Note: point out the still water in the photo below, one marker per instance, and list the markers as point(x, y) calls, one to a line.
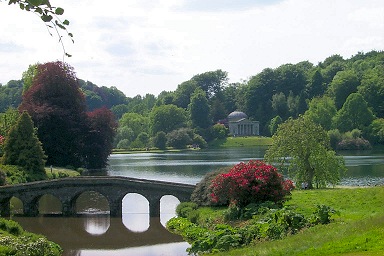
point(95, 233)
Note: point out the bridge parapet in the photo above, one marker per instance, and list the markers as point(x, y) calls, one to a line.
point(67, 190)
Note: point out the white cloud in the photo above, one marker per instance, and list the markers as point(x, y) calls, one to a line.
point(149, 46)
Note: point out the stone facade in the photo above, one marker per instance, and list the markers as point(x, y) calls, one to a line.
point(240, 125)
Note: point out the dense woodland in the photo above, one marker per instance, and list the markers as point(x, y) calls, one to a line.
point(344, 96)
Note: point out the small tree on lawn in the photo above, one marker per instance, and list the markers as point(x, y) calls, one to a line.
point(23, 148)
point(305, 146)
point(252, 182)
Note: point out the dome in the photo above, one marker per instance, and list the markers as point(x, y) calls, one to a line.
point(236, 115)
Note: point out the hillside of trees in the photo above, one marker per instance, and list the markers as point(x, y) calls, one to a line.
point(344, 96)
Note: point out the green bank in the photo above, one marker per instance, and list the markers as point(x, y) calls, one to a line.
point(358, 229)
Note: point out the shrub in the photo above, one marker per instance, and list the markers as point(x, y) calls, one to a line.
point(14, 174)
point(252, 182)
point(179, 138)
point(202, 193)
point(323, 214)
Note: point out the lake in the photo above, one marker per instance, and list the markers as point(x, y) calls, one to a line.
point(95, 233)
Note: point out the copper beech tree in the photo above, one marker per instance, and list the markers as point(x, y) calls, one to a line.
point(70, 135)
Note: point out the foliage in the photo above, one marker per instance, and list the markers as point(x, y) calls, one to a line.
point(306, 146)
point(266, 224)
point(167, 118)
point(201, 195)
point(7, 120)
point(252, 182)
point(23, 148)
point(100, 137)
point(199, 109)
point(179, 138)
point(321, 111)
point(354, 114)
point(211, 82)
point(10, 94)
point(160, 140)
point(199, 141)
point(57, 108)
point(70, 135)
point(48, 14)
point(219, 131)
point(334, 137)
point(14, 174)
point(15, 241)
point(274, 124)
point(376, 131)
point(343, 84)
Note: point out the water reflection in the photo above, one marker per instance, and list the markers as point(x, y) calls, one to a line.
point(97, 224)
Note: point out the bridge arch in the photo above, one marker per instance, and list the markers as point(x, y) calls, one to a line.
point(50, 202)
point(99, 204)
point(135, 215)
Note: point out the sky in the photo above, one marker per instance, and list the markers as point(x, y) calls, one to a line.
point(152, 46)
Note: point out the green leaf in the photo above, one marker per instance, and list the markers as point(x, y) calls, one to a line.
point(46, 18)
point(35, 2)
point(21, 6)
point(66, 22)
point(59, 11)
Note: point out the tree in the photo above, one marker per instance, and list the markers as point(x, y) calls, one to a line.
point(57, 107)
point(167, 118)
point(99, 143)
point(343, 84)
point(23, 148)
point(199, 109)
point(211, 82)
point(7, 120)
point(274, 124)
point(180, 138)
point(354, 114)
point(137, 122)
point(372, 89)
point(306, 146)
point(321, 111)
point(48, 14)
point(182, 95)
point(160, 140)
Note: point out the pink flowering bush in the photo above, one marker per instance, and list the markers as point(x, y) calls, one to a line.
point(252, 182)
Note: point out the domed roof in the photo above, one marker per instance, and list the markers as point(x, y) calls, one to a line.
point(236, 115)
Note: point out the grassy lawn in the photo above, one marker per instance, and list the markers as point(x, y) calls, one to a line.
point(231, 142)
point(61, 172)
point(358, 230)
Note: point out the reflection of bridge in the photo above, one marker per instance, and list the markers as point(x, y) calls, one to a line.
point(71, 234)
point(114, 189)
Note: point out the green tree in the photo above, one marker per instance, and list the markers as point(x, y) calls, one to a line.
point(306, 145)
point(354, 114)
point(372, 89)
point(199, 109)
point(321, 111)
point(211, 82)
point(167, 118)
point(23, 148)
point(279, 105)
point(180, 138)
point(275, 122)
point(160, 140)
point(343, 84)
point(137, 122)
point(182, 95)
point(7, 120)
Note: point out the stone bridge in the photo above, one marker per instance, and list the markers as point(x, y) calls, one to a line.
point(114, 189)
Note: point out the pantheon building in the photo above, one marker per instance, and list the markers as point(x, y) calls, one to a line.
point(240, 125)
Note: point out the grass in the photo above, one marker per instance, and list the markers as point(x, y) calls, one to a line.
point(61, 172)
point(231, 142)
point(359, 230)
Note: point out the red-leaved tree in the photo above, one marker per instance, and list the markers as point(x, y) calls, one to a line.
point(252, 182)
point(70, 135)
point(100, 138)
